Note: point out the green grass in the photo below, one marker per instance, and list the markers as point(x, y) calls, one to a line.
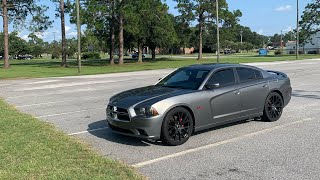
point(51, 68)
point(30, 149)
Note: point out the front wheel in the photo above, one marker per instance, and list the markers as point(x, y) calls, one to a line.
point(273, 107)
point(177, 127)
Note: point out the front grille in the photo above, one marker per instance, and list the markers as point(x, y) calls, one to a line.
point(118, 113)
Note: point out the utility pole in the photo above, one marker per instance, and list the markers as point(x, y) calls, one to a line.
point(79, 36)
point(218, 35)
point(297, 37)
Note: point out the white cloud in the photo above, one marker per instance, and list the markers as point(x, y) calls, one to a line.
point(68, 28)
point(283, 8)
point(39, 34)
point(288, 29)
point(25, 37)
point(73, 33)
point(260, 31)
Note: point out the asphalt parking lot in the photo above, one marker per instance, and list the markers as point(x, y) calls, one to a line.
point(286, 149)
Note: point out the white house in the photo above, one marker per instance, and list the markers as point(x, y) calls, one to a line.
point(311, 46)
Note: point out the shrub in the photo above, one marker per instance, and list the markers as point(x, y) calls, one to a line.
point(278, 52)
point(91, 55)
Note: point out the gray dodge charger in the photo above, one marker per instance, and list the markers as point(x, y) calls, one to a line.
point(198, 97)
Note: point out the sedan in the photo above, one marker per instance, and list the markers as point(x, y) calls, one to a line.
point(196, 98)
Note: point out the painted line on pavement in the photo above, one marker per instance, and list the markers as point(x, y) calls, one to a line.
point(70, 100)
point(59, 114)
point(88, 131)
point(41, 82)
point(145, 163)
point(72, 84)
point(54, 93)
point(38, 104)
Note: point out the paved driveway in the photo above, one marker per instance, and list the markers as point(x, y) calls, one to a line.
point(286, 149)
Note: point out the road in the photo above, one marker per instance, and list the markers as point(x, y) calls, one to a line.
point(286, 149)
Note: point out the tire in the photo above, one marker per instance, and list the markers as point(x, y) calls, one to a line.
point(273, 107)
point(177, 127)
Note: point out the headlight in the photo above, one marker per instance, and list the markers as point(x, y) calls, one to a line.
point(146, 111)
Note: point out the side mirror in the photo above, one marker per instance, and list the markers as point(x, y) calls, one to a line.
point(212, 86)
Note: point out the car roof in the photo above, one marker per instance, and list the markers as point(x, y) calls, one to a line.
point(214, 66)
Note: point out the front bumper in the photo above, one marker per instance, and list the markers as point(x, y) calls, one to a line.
point(145, 128)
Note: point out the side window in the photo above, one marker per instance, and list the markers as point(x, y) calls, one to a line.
point(201, 74)
point(224, 77)
point(258, 75)
point(247, 74)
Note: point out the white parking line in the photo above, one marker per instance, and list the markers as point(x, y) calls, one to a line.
point(47, 103)
point(145, 163)
point(64, 85)
point(42, 82)
point(54, 93)
point(72, 112)
point(91, 130)
point(70, 100)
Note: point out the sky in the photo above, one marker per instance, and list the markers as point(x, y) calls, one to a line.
point(265, 17)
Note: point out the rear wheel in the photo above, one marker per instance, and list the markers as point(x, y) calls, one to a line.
point(177, 126)
point(273, 107)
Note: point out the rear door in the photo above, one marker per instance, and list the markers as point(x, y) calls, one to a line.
point(224, 99)
point(253, 90)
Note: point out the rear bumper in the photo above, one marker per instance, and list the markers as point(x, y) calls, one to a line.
point(144, 128)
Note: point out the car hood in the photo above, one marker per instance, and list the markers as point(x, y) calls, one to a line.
point(134, 97)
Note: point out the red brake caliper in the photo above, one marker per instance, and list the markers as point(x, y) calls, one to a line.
point(181, 122)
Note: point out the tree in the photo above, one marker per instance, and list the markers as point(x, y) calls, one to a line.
point(16, 45)
point(121, 28)
point(63, 35)
point(101, 18)
point(160, 32)
point(36, 45)
point(185, 33)
point(18, 11)
point(310, 21)
point(90, 42)
point(149, 24)
point(247, 46)
point(61, 13)
point(72, 47)
point(204, 12)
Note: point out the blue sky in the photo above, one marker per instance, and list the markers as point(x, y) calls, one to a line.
point(263, 16)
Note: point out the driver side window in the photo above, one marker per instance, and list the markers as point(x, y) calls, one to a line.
point(223, 77)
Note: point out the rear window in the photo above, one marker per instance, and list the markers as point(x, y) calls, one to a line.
point(247, 74)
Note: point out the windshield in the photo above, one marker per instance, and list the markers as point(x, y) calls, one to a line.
point(184, 78)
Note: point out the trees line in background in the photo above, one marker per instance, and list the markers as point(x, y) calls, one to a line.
point(115, 25)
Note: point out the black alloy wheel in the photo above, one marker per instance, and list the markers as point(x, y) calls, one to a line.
point(273, 107)
point(177, 126)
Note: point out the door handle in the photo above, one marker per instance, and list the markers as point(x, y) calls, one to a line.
point(266, 85)
point(237, 92)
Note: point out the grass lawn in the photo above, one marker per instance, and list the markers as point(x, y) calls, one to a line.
point(51, 68)
point(31, 149)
